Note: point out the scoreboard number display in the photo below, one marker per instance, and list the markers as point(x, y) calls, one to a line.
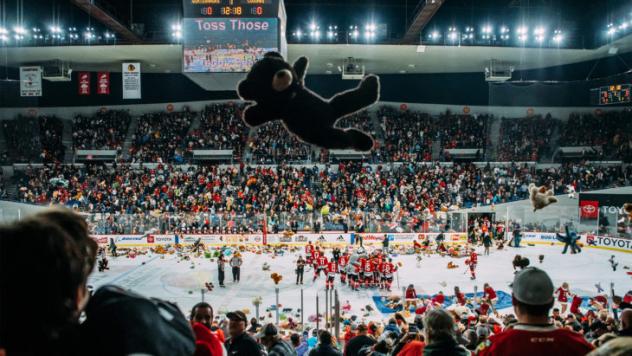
point(231, 8)
point(611, 94)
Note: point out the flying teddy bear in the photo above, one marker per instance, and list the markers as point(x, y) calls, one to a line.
point(279, 91)
point(540, 197)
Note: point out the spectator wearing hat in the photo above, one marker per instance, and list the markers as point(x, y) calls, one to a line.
point(532, 299)
point(325, 345)
point(240, 343)
point(299, 343)
point(362, 339)
point(269, 337)
point(440, 335)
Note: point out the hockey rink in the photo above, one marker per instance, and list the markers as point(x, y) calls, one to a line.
point(170, 278)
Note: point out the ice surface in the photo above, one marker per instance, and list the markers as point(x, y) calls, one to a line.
point(169, 278)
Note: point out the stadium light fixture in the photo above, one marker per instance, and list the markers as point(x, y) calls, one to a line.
point(19, 30)
point(313, 26)
point(452, 36)
point(539, 31)
point(522, 30)
point(623, 26)
point(355, 34)
point(4, 31)
point(434, 35)
point(504, 29)
point(487, 29)
point(558, 38)
point(522, 38)
point(4, 38)
point(298, 34)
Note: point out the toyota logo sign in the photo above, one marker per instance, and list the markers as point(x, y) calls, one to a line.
point(588, 209)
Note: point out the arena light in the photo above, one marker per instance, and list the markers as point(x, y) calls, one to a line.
point(298, 34)
point(623, 26)
point(558, 38)
point(487, 29)
point(55, 29)
point(539, 31)
point(522, 30)
point(434, 35)
point(4, 38)
point(522, 37)
point(19, 30)
point(313, 26)
point(4, 31)
point(355, 34)
point(452, 36)
point(504, 29)
point(176, 27)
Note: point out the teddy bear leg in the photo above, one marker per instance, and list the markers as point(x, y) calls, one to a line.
point(350, 101)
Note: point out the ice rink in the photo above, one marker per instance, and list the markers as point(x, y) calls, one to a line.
point(167, 277)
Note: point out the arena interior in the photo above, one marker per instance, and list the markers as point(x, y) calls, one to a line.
point(315, 177)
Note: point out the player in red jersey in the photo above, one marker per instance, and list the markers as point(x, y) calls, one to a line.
point(386, 271)
point(532, 299)
point(354, 276)
point(368, 274)
point(376, 262)
point(309, 252)
point(472, 261)
point(320, 265)
point(332, 269)
point(490, 294)
point(343, 261)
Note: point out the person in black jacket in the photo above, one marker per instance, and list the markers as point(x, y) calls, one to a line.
point(300, 269)
point(240, 343)
point(325, 346)
point(359, 341)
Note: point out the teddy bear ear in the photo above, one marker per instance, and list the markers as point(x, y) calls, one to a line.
point(273, 54)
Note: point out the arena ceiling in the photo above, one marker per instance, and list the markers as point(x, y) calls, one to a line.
point(325, 59)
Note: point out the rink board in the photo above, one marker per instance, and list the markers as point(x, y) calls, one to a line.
point(334, 238)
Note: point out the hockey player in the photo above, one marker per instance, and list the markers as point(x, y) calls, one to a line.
point(376, 261)
point(368, 274)
point(332, 269)
point(354, 275)
point(472, 261)
point(309, 252)
point(387, 269)
point(320, 264)
point(343, 261)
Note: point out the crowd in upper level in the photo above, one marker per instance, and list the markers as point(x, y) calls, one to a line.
point(400, 136)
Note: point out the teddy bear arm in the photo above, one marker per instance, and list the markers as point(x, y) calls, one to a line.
point(255, 116)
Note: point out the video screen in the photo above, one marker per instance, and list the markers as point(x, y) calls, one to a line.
point(221, 45)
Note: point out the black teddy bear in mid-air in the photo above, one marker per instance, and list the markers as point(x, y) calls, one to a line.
point(280, 94)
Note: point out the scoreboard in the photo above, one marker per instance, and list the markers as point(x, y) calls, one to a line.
point(229, 36)
point(231, 8)
point(611, 94)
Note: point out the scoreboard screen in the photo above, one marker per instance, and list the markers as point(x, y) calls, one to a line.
point(231, 8)
point(613, 94)
point(220, 45)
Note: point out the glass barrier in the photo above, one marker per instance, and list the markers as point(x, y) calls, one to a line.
point(609, 223)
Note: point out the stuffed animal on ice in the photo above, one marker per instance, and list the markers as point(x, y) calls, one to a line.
point(280, 94)
point(541, 197)
point(569, 239)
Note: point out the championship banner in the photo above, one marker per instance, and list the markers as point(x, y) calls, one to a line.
point(103, 83)
point(131, 80)
point(84, 83)
point(30, 81)
point(588, 209)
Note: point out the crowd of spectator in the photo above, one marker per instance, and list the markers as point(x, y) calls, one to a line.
point(408, 135)
point(609, 130)
point(526, 139)
point(160, 137)
point(463, 131)
point(105, 130)
point(119, 322)
point(34, 139)
point(272, 143)
point(400, 135)
point(221, 128)
point(406, 194)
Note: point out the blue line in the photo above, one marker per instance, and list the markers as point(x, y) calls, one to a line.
point(131, 270)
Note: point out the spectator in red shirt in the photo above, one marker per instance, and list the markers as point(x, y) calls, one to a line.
point(532, 299)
